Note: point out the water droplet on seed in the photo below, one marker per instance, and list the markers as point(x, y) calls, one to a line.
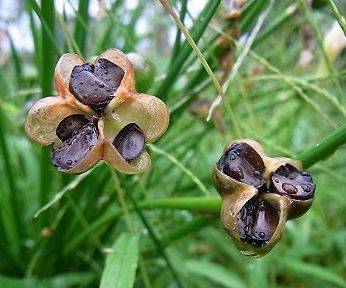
point(306, 188)
point(262, 235)
point(289, 188)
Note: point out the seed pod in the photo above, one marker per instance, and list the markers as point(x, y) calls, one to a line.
point(297, 185)
point(259, 194)
point(94, 85)
point(71, 152)
point(130, 141)
point(240, 165)
point(255, 223)
point(69, 125)
point(97, 114)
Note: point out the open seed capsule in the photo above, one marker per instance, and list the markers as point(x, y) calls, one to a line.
point(259, 194)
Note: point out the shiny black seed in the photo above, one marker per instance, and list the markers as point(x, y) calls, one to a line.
point(288, 180)
point(244, 164)
point(85, 77)
point(130, 141)
point(257, 221)
point(69, 124)
point(69, 153)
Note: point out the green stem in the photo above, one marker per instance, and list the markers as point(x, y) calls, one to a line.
point(46, 77)
point(196, 204)
point(325, 148)
point(184, 230)
point(196, 33)
point(338, 16)
point(81, 25)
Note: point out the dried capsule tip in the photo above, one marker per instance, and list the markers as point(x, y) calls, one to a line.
point(257, 221)
point(244, 164)
point(288, 180)
point(94, 85)
point(130, 141)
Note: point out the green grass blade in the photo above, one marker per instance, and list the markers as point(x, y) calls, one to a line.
point(325, 148)
point(121, 263)
point(177, 42)
point(215, 273)
point(81, 25)
point(61, 193)
point(311, 270)
point(196, 33)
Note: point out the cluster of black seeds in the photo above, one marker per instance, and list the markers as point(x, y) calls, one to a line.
point(94, 85)
point(257, 220)
point(79, 136)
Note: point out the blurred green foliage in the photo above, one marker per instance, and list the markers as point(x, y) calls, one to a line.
point(286, 106)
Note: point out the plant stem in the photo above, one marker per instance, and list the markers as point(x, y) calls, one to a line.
point(196, 31)
point(338, 16)
point(325, 148)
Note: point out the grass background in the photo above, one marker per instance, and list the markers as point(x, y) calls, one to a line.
point(170, 214)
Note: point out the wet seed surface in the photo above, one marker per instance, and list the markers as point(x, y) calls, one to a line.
point(244, 164)
point(94, 85)
point(71, 123)
point(257, 221)
point(287, 180)
point(130, 141)
point(69, 153)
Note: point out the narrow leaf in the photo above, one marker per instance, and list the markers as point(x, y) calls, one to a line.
point(121, 264)
point(216, 273)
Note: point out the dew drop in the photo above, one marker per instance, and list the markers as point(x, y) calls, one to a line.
point(233, 157)
point(289, 188)
point(277, 180)
point(257, 174)
point(306, 188)
point(262, 235)
point(261, 206)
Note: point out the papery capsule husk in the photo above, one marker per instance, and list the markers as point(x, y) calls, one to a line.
point(226, 185)
point(232, 205)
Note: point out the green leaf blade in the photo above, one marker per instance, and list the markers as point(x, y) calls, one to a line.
point(121, 264)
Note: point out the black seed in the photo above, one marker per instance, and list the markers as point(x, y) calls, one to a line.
point(244, 164)
point(69, 124)
point(84, 77)
point(287, 180)
point(70, 152)
point(259, 224)
point(130, 141)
